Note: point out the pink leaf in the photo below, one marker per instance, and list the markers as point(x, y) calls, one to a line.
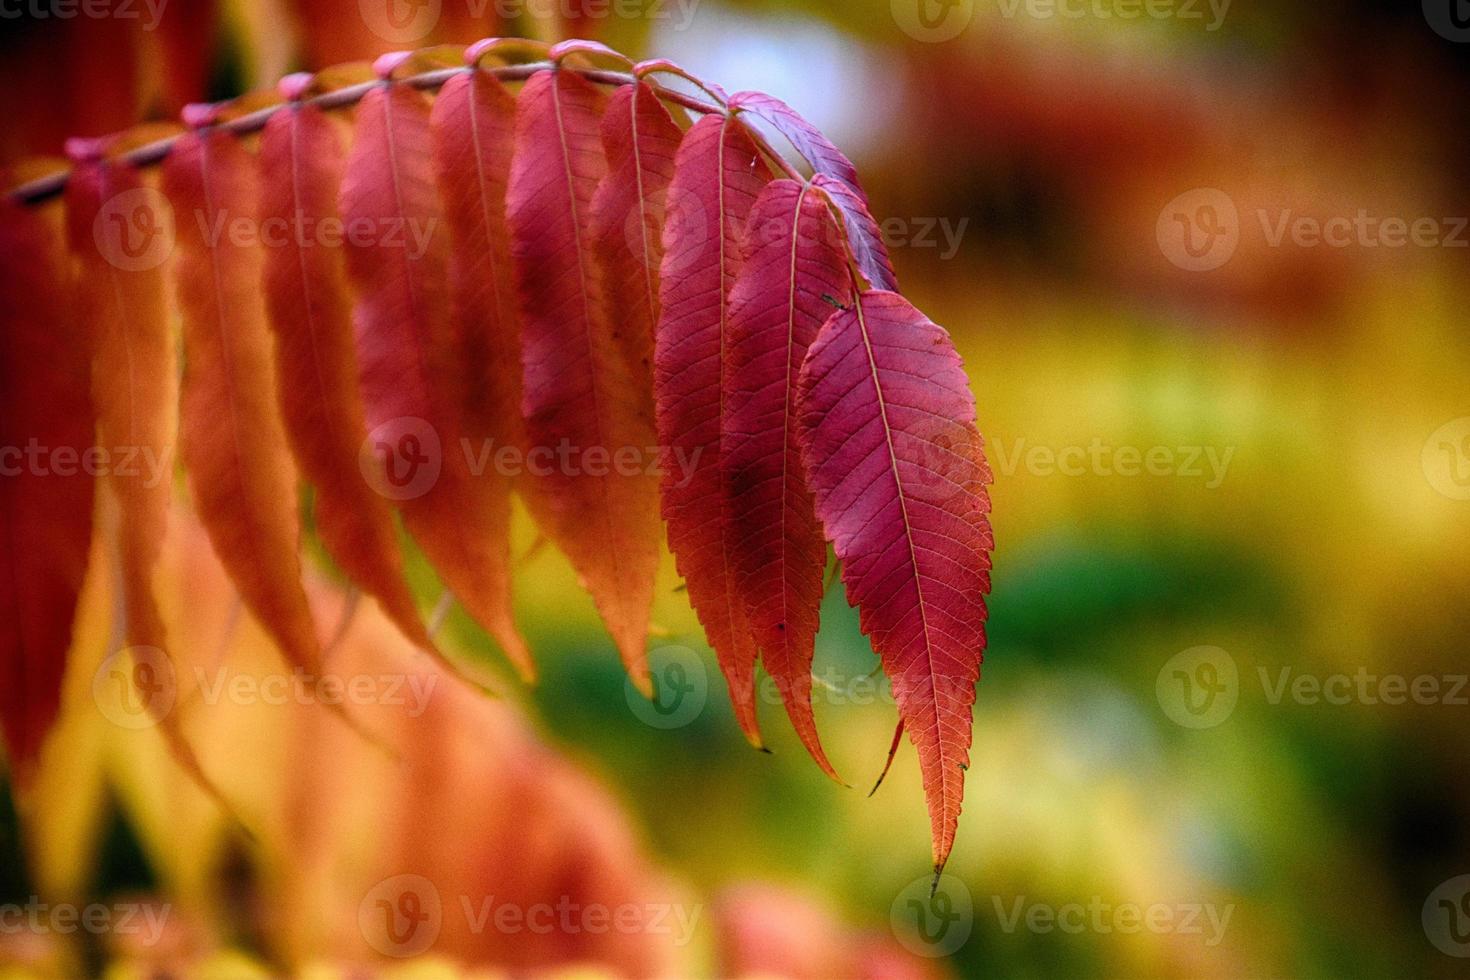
point(899, 474)
point(793, 274)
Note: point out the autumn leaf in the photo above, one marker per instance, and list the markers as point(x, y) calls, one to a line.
point(792, 274)
point(231, 435)
point(411, 381)
point(897, 468)
point(549, 286)
point(301, 161)
point(578, 385)
point(717, 175)
point(45, 501)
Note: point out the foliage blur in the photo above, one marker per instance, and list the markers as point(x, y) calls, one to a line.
point(1300, 517)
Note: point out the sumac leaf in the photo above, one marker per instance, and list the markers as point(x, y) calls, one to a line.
point(411, 380)
point(231, 437)
point(579, 391)
point(134, 366)
point(717, 174)
point(817, 149)
point(118, 241)
point(45, 500)
point(793, 274)
point(863, 235)
point(301, 160)
point(627, 219)
point(888, 434)
point(473, 122)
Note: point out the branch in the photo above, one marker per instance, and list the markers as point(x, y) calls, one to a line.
point(45, 188)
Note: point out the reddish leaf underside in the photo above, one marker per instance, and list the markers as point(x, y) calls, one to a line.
point(45, 516)
point(473, 121)
point(579, 392)
point(793, 273)
point(413, 386)
point(863, 235)
point(897, 468)
point(232, 440)
point(301, 160)
point(718, 174)
point(640, 139)
point(820, 152)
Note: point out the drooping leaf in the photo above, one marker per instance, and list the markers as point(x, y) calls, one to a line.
point(792, 275)
point(863, 235)
point(887, 424)
point(438, 208)
point(473, 122)
point(717, 175)
point(46, 425)
point(815, 148)
point(411, 380)
point(301, 160)
point(134, 369)
point(118, 288)
point(627, 219)
point(231, 436)
point(578, 386)
point(835, 174)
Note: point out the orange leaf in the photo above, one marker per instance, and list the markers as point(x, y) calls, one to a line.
point(306, 292)
point(231, 435)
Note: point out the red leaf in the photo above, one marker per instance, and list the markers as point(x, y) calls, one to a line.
point(817, 149)
point(301, 161)
point(640, 139)
point(231, 435)
point(898, 471)
point(45, 517)
point(863, 235)
point(717, 175)
point(411, 382)
point(474, 133)
point(792, 275)
point(578, 389)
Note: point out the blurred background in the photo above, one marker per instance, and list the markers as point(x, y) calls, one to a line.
point(1207, 265)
